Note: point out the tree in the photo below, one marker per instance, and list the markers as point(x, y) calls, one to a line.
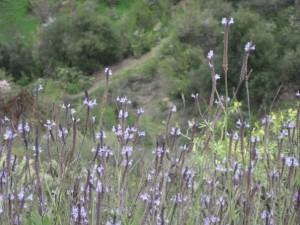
point(17, 59)
point(83, 40)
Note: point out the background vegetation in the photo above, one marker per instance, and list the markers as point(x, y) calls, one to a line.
point(95, 34)
point(75, 150)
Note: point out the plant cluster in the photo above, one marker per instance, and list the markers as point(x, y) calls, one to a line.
point(210, 173)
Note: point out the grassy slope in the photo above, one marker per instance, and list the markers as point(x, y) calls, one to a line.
point(15, 19)
point(129, 74)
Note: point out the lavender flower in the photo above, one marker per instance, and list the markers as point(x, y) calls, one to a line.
point(49, 124)
point(113, 223)
point(117, 130)
point(177, 198)
point(192, 123)
point(254, 139)
point(82, 213)
point(226, 22)
point(9, 135)
point(291, 162)
point(34, 149)
point(127, 162)
point(104, 151)
point(220, 168)
point(211, 220)
point(21, 194)
point(108, 72)
point(158, 151)
point(289, 125)
point(127, 150)
point(206, 221)
point(140, 111)
point(175, 131)
point(222, 99)
point(210, 55)
point(194, 95)
point(220, 201)
point(99, 169)
point(123, 114)
point(174, 109)
point(90, 103)
point(72, 112)
point(63, 106)
point(142, 134)
point(64, 131)
point(99, 187)
point(145, 197)
point(266, 120)
point(184, 147)
point(248, 47)
point(240, 124)
point(26, 128)
point(39, 89)
point(235, 137)
point(217, 77)
point(266, 214)
point(123, 100)
point(100, 135)
point(283, 134)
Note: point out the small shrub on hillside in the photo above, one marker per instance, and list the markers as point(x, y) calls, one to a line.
point(85, 41)
point(16, 57)
point(71, 80)
point(196, 27)
point(141, 42)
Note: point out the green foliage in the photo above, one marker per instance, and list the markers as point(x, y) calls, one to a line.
point(86, 41)
point(142, 29)
point(149, 70)
point(197, 27)
point(269, 7)
point(141, 42)
point(71, 80)
point(198, 24)
point(17, 59)
point(24, 80)
point(110, 117)
point(36, 219)
point(179, 61)
point(151, 13)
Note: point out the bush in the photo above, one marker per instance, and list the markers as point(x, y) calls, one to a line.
point(141, 42)
point(71, 80)
point(86, 41)
point(196, 27)
point(17, 59)
point(179, 62)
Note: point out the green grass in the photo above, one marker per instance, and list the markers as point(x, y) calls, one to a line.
point(15, 19)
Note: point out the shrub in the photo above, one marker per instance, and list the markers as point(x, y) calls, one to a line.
point(85, 41)
point(71, 80)
point(197, 27)
point(17, 59)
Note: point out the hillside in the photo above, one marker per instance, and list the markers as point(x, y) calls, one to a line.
point(139, 112)
point(158, 57)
